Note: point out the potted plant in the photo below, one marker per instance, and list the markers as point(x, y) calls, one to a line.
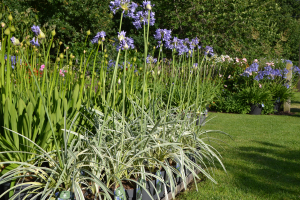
point(255, 96)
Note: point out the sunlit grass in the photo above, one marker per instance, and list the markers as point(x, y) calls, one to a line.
point(262, 162)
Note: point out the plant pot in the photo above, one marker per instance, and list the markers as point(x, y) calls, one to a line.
point(159, 185)
point(150, 187)
point(130, 194)
point(256, 109)
point(4, 187)
point(277, 106)
point(201, 121)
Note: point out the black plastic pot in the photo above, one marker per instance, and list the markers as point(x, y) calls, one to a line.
point(256, 109)
point(4, 187)
point(162, 193)
point(201, 121)
point(130, 194)
point(150, 187)
point(277, 106)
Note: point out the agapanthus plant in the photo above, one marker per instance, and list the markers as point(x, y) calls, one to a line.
point(141, 18)
point(125, 43)
point(99, 35)
point(124, 5)
point(15, 41)
point(35, 42)
point(38, 32)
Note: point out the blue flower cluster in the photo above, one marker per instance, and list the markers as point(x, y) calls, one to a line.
point(13, 60)
point(129, 10)
point(268, 72)
point(151, 60)
point(101, 35)
point(179, 45)
point(125, 43)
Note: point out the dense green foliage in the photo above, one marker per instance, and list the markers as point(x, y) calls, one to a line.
point(237, 27)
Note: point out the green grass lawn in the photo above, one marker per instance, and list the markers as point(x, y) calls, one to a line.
point(262, 162)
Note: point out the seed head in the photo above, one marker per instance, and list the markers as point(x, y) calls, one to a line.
point(10, 18)
point(88, 32)
point(7, 31)
point(12, 29)
point(53, 33)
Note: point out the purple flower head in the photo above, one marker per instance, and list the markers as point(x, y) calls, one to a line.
point(147, 5)
point(13, 39)
point(162, 34)
point(35, 43)
point(125, 5)
point(121, 36)
point(151, 60)
point(141, 18)
point(209, 50)
point(288, 61)
point(36, 30)
point(296, 69)
point(126, 43)
point(132, 7)
point(114, 6)
point(194, 43)
point(98, 35)
point(287, 85)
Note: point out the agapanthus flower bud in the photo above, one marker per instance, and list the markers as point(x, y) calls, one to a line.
point(70, 63)
point(15, 41)
point(10, 18)
point(2, 24)
point(57, 59)
point(41, 35)
point(7, 31)
point(12, 29)
point(119, 81)
point(121, 36)
point(147, 5)
point(88, 32)
point(158, 73)
point(60, 43)
point(53, 33)
point(61, 56)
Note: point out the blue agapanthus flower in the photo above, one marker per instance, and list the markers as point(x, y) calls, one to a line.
point(101, 35)
point(35, 42)
point(147, 5)
point(141, 18)
point(124, 42)
point(194, 43)
point(296, 69)
point(151, 60)
point(13, 60)
point(163, 34)
point(36, 30)
point(209, 50)
point(127, 8)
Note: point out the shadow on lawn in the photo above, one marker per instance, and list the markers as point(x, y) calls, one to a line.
point(273, 169)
